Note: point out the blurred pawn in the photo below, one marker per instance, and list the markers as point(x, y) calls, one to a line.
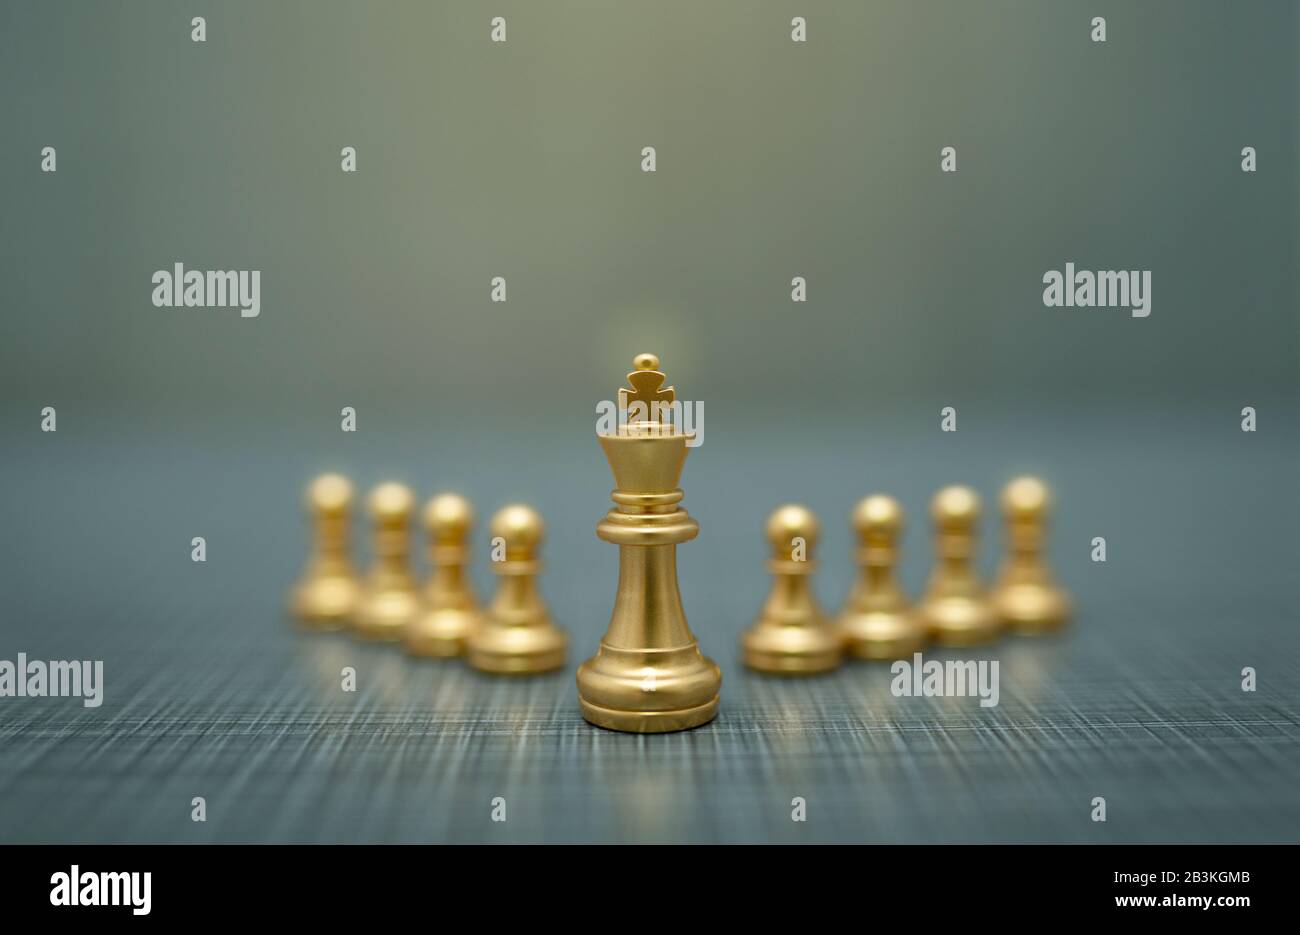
point(877, 622)
point(955, 609)
point(449, 610)
point(327, 593)
point(515, 635)
point(792, 636)
point(1026, 597)
point(389, 597)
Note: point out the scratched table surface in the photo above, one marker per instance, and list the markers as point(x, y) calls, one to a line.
point(210, 691)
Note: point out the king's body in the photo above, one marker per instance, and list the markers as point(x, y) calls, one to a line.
point(648, 675)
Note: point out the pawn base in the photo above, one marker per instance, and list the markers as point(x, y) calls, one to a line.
point(385, 615)
point(515, 664)
point(1031, 608)
point(516, 650)
point(961, 621)
point(440, 633)
point(881, 634)
point(325, 603)
point(778, 663)
point(791, 650)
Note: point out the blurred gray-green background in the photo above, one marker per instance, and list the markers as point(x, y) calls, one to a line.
point(775, 159)
point(522, 159)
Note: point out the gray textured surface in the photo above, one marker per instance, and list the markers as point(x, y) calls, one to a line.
point(776, 159)
point(210, 693)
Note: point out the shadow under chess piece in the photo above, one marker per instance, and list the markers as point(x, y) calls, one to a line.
point(450, 611)
point(877, 621)
point(515, 635)
point(389, 597)
point(792, 636)
point(648, 675)
point(1025, 596)
point(955, 608)
point(326, 595)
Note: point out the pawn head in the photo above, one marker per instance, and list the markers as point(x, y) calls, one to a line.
point(1026, 498)
point(955, 507)
point(521, 527)
point(877, 517)
point(391, 503)
point(788, 523)
point(448, 517)
point(329, 493)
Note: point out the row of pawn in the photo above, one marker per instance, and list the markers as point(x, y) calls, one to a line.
point(793, 635)
point(513, 634)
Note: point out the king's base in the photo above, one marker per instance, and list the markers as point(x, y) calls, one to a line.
point(650, 722)
point(649, 691)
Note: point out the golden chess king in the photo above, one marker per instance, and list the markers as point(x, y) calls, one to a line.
point(648, 676)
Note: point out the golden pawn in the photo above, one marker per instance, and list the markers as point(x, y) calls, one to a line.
point(516, 635)
point(1025, 596)
point(792, 636)
point(877, 621)
point(389, 599)
point(955, 609)
point(450, 610)
point(327, 594)
point(648, 675)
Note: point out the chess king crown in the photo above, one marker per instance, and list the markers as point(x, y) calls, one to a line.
point(647, 456)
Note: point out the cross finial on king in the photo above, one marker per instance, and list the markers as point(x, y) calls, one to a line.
point(648, 400)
